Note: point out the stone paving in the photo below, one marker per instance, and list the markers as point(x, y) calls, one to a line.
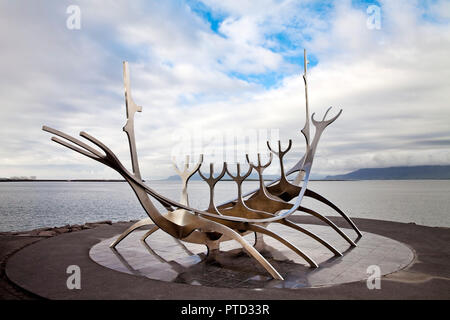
point(164, 258)
point(40, 268)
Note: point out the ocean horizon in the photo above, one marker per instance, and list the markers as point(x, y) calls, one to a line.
point(34, 204)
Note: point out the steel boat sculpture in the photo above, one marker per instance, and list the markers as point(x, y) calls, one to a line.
point(274, 202)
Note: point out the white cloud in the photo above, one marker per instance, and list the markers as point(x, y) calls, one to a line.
point(392, 83)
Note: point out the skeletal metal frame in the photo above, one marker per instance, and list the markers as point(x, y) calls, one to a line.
point(251, 212)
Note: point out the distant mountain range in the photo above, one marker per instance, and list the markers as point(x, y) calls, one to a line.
point(390, 173)
point(396, 173)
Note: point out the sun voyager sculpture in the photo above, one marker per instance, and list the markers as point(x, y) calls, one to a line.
point(252, 212)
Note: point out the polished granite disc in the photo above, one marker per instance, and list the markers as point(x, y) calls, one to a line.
point(164, 258)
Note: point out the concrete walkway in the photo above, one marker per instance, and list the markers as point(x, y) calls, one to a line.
point(40, 268)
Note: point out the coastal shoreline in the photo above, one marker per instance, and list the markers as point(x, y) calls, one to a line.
point(14, 241)
point(427, 278)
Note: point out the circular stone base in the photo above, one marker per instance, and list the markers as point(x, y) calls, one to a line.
point(164, 258)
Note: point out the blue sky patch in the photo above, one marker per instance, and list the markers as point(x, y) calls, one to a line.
point(213, 18)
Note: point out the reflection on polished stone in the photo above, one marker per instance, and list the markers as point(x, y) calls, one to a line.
point(167, 259)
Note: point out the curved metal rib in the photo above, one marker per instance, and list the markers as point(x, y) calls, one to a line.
point(260, 229)
point(240, 209)
point(322, 199)
point(185, 175)
point(312, 235)
point(149, 232)
point(211, 226)
point(211, 181)
point(135, 226)
point(286, 190)
point(264, 202)
point(281, 154)
point(249, 248)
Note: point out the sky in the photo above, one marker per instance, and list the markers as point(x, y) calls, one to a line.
point(222, 69)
